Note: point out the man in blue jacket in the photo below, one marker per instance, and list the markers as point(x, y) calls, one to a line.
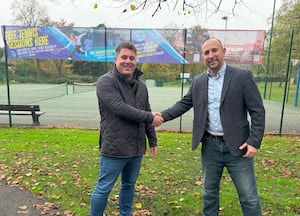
point(126, 121)
point(222, 99)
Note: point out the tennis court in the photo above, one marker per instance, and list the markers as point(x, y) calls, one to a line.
point(76, 106)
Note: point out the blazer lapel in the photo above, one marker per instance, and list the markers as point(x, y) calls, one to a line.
point(205, 89)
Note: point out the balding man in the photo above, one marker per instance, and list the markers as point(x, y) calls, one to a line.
point(222, 99)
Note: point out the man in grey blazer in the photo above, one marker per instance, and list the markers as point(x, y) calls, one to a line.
point(223, 98)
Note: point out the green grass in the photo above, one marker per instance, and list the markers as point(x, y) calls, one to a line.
point(62, 165)
point(275, 92)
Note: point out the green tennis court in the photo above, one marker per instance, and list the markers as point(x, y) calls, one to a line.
point(76, 106)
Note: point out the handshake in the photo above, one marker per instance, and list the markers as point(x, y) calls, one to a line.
point(157, 119)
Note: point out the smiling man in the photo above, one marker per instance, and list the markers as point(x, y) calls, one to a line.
point(126, 122)
point(222, 98)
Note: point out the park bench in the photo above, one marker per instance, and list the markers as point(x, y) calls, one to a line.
point(33, 110)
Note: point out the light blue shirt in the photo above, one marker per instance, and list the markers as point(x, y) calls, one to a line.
point(215, 85)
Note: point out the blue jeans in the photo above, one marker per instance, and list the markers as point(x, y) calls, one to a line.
point(216, 156)
point(110, 169)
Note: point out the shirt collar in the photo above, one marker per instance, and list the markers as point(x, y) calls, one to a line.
point(221, 72)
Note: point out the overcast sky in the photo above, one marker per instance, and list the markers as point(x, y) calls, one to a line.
point(253, 15)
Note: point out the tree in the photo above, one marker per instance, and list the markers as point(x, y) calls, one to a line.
point(165, 72)
point(185, 7)
point(33, 13)
point(89, 71)
point(287, 19)
point(60, 23)
point(29, 13)
point(151, 71)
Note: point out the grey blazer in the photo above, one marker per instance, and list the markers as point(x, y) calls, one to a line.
point(240, 97)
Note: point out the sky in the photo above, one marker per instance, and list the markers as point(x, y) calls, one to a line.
point(252, 15)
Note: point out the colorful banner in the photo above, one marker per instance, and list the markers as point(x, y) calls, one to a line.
point(169, 46)
point(242, 46)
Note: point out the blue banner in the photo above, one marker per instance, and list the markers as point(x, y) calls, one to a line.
point(158, 46)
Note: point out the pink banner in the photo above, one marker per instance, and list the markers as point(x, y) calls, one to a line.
point(242, 46)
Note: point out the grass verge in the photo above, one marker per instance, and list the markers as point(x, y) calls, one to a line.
point(62, 165)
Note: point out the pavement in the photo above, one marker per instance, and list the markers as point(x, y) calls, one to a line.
point(15, 201)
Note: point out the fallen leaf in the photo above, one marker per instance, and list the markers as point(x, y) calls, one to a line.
point(138, 205)
point(24, 207)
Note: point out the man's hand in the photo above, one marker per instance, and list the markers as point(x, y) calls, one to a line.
point(153, 151)
point(157, 119)
point(251, 151)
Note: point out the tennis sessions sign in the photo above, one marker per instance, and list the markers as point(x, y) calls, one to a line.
point(170, 46)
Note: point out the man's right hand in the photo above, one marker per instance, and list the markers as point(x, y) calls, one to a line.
point(157, 119)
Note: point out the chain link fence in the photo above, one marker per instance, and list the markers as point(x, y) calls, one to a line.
point(70, 101)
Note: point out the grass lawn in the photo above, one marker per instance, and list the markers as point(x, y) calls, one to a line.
point(62, 165)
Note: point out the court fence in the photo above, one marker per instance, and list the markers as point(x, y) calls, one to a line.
point(75, 105)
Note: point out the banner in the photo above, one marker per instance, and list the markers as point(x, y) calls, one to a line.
point(242, 46)
point(158, 46)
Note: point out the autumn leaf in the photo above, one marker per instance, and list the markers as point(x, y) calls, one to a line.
point(198, 183)
point(23, 210)
point(24, 207)
point(168, 185)
point(197, 194)
point(132, 7)
point(37, 206)
point(56, 197)
point(138, 205)
point(142, 212)
point(68, 213)
point(56, 165)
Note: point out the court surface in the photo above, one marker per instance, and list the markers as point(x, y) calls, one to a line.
point(80, 110)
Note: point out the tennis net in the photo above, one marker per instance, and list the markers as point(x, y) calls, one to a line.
point(83, 87)
point(31, 93)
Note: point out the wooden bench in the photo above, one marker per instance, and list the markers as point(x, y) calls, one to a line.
point(33, 110)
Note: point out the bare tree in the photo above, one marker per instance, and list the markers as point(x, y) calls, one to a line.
point(207, 7)
point(29, 13)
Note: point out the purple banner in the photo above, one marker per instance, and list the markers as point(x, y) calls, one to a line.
point(169, 46)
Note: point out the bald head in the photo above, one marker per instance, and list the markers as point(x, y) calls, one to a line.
point(213, 54)
point(214, 40)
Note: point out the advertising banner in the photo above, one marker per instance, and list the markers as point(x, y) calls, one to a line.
point(242, 46)
point(158, 46)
